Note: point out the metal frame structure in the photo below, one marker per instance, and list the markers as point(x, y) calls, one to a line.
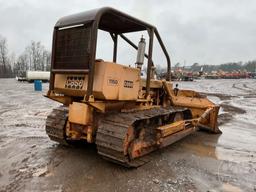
point(116, 23)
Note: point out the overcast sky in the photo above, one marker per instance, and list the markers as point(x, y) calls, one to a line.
point(204, 31)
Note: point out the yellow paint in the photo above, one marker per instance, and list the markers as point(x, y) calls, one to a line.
point(171, 128)
point(80, 113)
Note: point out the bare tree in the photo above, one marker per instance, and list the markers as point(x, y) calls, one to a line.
point(47, 60)
point(37, 56)
point(12, 60)
point(3, 53)
point(22, 63)
point(5, 67)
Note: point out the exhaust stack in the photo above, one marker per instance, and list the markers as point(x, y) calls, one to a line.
point(141, 52)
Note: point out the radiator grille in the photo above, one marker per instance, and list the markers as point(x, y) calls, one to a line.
point(72, 48)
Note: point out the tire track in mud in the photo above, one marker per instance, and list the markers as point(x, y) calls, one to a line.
point(229, 110)
point(244, 88)
point(219, 95)
point(20, 169)
point(6, 110)
point(27, 164)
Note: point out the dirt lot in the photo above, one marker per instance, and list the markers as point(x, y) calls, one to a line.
point(29, 161)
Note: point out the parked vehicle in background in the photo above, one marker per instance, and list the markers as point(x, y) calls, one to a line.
point(30, 76)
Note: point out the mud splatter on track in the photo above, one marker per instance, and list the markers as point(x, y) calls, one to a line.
point(29, 161)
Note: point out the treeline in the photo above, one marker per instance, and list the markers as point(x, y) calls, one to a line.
point(34, 57)
point(249, 66)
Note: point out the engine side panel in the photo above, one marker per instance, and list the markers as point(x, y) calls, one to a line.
point(111, 82)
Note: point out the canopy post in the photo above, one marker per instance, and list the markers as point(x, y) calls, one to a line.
point(93, 48)
point(150, 50)
point(115, 39)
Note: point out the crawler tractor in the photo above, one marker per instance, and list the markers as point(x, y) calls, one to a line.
point(126, 115)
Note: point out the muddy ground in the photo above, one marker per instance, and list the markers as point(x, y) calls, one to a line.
point(29, 161)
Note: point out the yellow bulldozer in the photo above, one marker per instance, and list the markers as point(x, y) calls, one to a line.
point(126, 115)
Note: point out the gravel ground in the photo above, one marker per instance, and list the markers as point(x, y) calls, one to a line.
point(29, 161)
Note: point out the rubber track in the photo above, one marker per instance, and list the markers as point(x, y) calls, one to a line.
point(56, 123)
point(112, 131)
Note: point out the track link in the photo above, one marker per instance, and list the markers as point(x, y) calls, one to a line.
point(112, 131)
point(56, 123)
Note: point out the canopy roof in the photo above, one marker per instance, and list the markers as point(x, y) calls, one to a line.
point(107, 19)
